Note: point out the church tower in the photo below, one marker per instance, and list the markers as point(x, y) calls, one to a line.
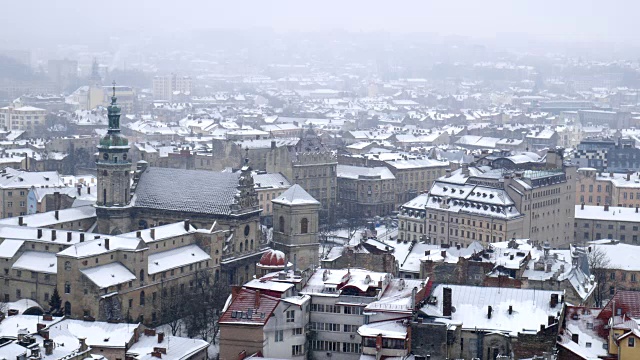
point(114, 168)
point(295, 230)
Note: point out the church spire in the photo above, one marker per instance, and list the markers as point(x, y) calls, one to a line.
point(114, 113)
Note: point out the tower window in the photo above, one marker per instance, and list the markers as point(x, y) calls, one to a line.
point(281, 224)
point(104, 173)
point(304, 226)
point(104, 196)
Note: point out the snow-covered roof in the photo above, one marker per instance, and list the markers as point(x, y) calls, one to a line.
point(295, 195)
point(49, 218)
point(615, 213)
point(392, 329)
point(530, 308)
point(37, 261)
point(176, 258)
point(107, 275)
point(355, 172)
point(177, 348)
point(9, 247)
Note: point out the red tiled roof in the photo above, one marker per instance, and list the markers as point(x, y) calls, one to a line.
point(243, 310)
point(628, 301)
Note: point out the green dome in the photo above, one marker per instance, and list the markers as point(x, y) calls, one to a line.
point(115, 139)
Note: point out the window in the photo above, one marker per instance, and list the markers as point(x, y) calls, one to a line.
point(141, 275)
point(612, 276)
point(297, 331)
point(291, 316)
point(67, 288)
point(351, 348)
point(279, 335)
point(142, 298)
point(350, 328)
point(67, 265)
point(353, 310)
point(281, 224)
point(632, 341)
point(296, 350)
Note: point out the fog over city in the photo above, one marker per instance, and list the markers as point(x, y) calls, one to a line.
point(319, 180)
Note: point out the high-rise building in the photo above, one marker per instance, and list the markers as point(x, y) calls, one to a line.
point(171, 87)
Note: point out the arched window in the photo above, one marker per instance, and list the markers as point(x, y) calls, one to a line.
point(67, 308)
point(141, 275)
point(217, 276)
point(104, 173)
point(141, 298)
point(281, 224)
point(67, 287)
point(240, 247)
point(104, 196)
point(304, 226)
point(67, 265)
point(246, 245)
point(251, 244)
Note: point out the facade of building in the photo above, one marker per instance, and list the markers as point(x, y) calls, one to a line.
point(366, 191)
point(606, 222)
point(494, 206)
point(268, 187)
point(414, 176)
point(599, 188)
point(171, 86)
point(311, 165)
point(295, 231)
point(25, 118)
point(608, 155)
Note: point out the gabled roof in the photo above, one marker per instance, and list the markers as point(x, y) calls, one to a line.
point(295, 195)
point(243, 309)
point(195, 191)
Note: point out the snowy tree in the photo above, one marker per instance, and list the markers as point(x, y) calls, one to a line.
point(599, 267)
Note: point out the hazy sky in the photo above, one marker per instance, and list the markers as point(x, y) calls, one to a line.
point(581, 20)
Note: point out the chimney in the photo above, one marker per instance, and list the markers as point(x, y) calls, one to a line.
point(489, 310)
point(83, 343)
point(20, 220)
point(574, 338)
point(138, 234)
point(160, 337)
point(81, 237)
point(554, 300)
point(69, 235)
point(40, 326)
point(273, 144)
point(427, 252)
point(149, 332)
point(443, 253)
point(458, 246)
point(465, 169)
point(448, 173)
point(542, 327)
point(79, 189)
point(39, 233)
point(106, 243)
point(53, 235)
point(551, 320)
point(446, 301)
point(510, 309)
point(89, 190)
point(161, 350)
point(156, 354)
point(606, 207)
point(57, 215)
point(636, 209)
point(582, 206)
point(511, 257)
point(153, 233)
point(48, 346)
point(257, 300)
point(187, 226)
point(628, 176)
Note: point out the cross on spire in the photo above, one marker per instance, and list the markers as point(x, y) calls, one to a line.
point(113, 97)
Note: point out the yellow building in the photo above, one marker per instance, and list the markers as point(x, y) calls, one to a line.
point(624, 342)
point(23, 118)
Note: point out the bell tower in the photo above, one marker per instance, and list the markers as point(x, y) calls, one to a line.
point(114, 168)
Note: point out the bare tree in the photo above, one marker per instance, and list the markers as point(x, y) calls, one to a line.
point(203, 305)
point(170, 309)
point(600, 268)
